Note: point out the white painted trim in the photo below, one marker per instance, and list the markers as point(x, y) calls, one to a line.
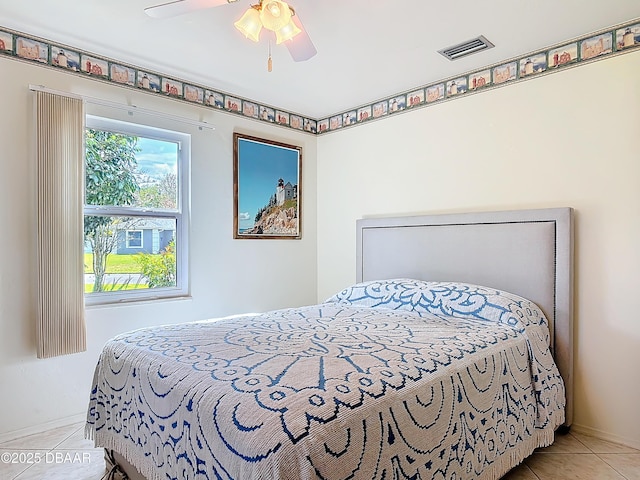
point(42, 427)
point(609, 437)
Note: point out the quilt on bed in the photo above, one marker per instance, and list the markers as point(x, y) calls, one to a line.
point(394, 379)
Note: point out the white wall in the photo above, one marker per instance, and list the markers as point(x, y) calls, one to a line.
point(566, 139)
point(227, 276)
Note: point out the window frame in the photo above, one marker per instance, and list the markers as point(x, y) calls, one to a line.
point(180, 214)
point(128, 240)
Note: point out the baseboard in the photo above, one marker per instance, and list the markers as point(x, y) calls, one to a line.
point(42, 427)
point(609, 437)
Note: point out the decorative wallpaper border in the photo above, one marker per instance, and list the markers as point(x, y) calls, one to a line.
point(595, 46)
point(28, 48)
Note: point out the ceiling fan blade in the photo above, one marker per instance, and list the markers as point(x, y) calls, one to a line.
point(178, 7)
point(300, 47)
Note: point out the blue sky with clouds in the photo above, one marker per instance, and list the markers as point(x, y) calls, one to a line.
point(156, 158)
point(259, 169)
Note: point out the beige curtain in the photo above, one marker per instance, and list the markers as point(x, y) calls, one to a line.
point(59, 136)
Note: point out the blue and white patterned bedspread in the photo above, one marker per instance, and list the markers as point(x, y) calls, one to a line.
point(395, 379)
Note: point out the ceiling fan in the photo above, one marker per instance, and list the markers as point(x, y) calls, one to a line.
point(274, 15)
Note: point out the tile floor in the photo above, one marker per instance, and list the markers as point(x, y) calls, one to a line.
point(58, 454)
point(63, 453)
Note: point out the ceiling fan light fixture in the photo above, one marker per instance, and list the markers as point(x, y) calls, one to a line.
point(274, 14)
point(287, 32)
point(250, 24)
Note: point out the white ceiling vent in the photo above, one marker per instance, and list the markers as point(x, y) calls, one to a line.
point(466, 48)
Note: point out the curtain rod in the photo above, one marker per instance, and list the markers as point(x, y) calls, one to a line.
point(130, 108)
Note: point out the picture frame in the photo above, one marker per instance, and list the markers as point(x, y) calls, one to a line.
point(267, 194)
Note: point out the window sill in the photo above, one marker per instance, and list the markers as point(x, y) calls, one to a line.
point(137, 302)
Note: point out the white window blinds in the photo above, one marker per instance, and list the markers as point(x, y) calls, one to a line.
point(59, 136)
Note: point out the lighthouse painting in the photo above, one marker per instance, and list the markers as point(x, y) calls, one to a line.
point(267, 188)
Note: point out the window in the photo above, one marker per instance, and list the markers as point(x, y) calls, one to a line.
point(135, 219)
point(134, 238)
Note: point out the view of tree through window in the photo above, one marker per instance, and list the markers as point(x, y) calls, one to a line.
point(131, 211)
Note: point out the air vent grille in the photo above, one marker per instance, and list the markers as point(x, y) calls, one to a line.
point(466, 48)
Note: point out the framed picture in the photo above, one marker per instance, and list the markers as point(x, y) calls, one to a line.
point(266, 188)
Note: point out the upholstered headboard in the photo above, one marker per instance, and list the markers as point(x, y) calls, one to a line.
point(526, 252)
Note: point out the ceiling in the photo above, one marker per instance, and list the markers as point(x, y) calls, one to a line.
point(367, 49)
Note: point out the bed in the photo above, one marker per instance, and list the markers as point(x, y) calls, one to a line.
point(450, 357)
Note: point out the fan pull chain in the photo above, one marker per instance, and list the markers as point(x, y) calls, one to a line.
point(269, 61)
